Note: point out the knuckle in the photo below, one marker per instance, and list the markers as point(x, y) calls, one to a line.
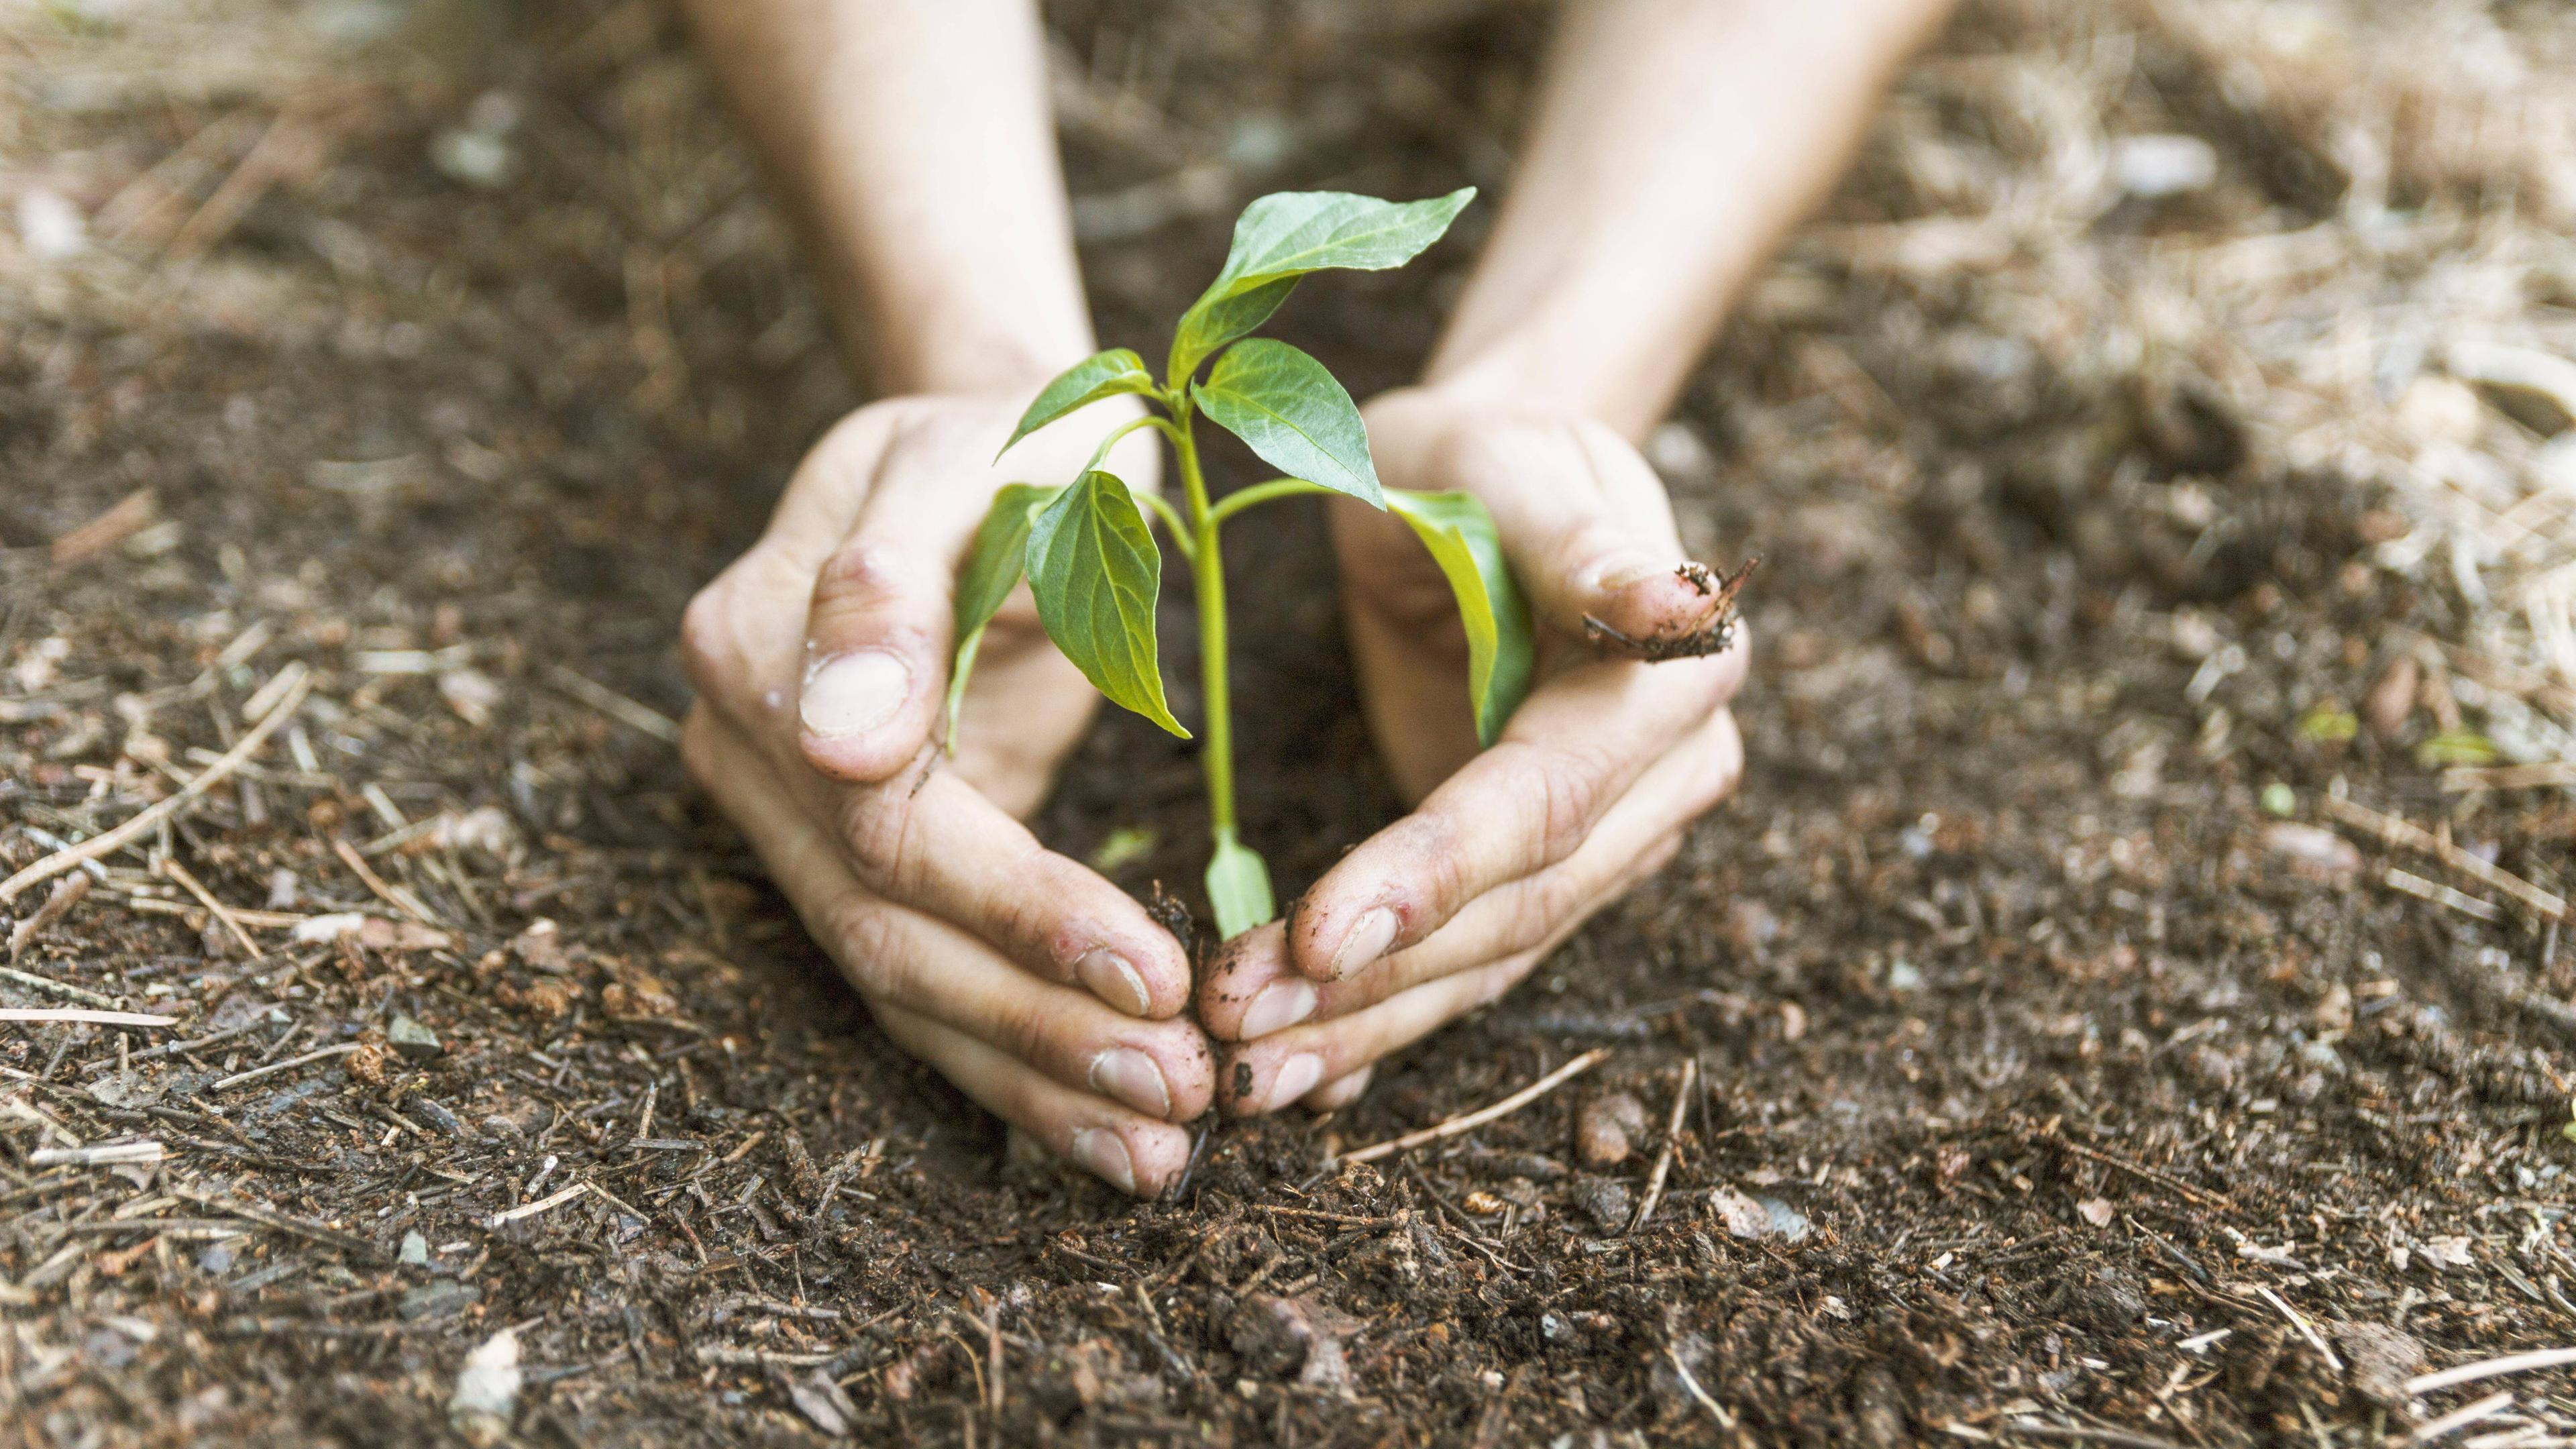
point(1024, 1028)
point(876, 834)
point(862, 934)
point(698, 748)
point(1564, 787)
point(706, 637)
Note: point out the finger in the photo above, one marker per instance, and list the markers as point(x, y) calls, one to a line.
point(1252, 989)
point(937, 845)
point(1268, 1074)
point(1340, 1092)
point(1571, 751)
point(1130, 1152)
point(904, 958)
point(1589, 528)
point(880, 624)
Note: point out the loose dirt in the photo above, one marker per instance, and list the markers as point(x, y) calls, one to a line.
point(2068, 1066)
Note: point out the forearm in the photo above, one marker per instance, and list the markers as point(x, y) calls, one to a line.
point(1676, 140)
point(913, 140)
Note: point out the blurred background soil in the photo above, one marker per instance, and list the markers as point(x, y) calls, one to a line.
point(2161, 452)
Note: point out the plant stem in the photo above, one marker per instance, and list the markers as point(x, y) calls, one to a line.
point(1182, 537)
point(1260, 493)
point(1207, 568)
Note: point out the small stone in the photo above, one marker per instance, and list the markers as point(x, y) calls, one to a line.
point(824, 1402)
point(2097, 1211)
point(1787, 1223)
point(367, 1063)
point(1744, 1217)
point(487, 1389)
point(2107, 1300)
point(442, 1299)
point(2379, 1360)
point(2153, 167)
point(2211, 1067)
point(2312, 851)
point(1607, 1128)
point(413, 1039)
point(415, 1251)
point(1604, 1200)
point(1283, 1336)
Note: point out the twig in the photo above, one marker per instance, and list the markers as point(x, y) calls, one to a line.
point(993, 1331)
point(2469, 1373)
point(2087, 1434)
point(2300, 1322)
point(529, 1210)
point(2461, 778)
point(1715, 1409)
point(172, 1049)
point(105, 1155)
point(2462, 1417)
point(149, 819)
point(392, 895)
point(223, 913)
point(1672, 1137)
point(2397, 831)
point(718, 1356)
point(66, 894)
point(2402, 879)
point(273, 1068)
point(51, 987)
point(614, 705)
point(94, 1018)
point(2197, 1195)
point(346, 1242)
point(1473, 1120)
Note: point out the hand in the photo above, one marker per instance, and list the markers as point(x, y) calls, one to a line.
point(821, 659)
point(1508, 851)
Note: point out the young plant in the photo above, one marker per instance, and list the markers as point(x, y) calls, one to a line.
point(1090, 560)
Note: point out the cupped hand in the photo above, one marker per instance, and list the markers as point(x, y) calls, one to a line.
point(821, 659)
point(1509, 850)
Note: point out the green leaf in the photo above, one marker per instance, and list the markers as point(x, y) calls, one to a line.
point(1294, 415)
point(1211, 324)
point(1282, 237)
point(1103, 374)
point(1238, 885)
point(1501, 650)
point(1096, 572)
point(993, 569)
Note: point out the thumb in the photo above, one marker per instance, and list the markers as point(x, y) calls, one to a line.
point(1590, 533)
point(877, 638)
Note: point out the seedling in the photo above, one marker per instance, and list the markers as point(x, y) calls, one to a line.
point(1089, 558)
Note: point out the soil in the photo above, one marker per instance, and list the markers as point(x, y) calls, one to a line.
point(2070, 1063)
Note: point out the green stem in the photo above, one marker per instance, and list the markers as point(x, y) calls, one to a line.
point(1173, 523)
point(1260, 493)
point(1207, 568)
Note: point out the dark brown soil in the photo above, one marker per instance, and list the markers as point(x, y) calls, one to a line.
point(2046, 1082)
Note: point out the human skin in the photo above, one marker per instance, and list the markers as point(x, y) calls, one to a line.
point(1675, 140)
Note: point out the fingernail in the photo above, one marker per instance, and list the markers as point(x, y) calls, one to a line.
point(1109, 977)
point(1100, 1150)
point(850, 694)
point(1297, 1076)
point(1368, 940)
point(1614, 579)
point(1281, 1003)
point(1132, 1077)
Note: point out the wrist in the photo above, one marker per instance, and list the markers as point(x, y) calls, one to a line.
point(967, 357)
